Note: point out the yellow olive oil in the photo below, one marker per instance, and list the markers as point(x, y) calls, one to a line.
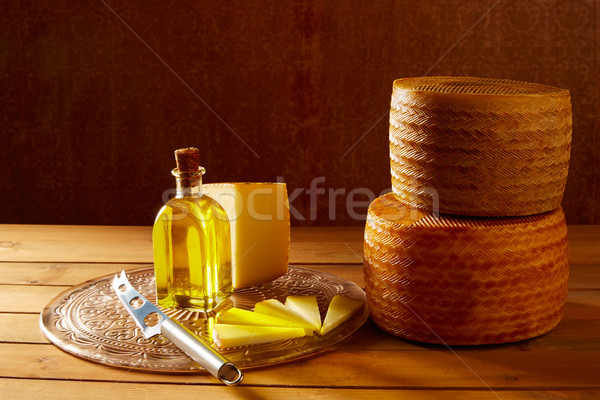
point(192, 253)
point(192, 242)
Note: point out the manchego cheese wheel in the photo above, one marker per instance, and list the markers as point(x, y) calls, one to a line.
point(479, 147)
point(464, 280)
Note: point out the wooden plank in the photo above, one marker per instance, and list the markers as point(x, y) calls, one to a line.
point(328, 234)
point(21, 328)
point(441, 368)
point(58, 274)
point(26, 389)
point(570, 334)
point(64, 274)
point(583, 276)
point(58, 243)
point(582, 305)
point(322, 253)
point(352, 272)
point(28, 299)
point(133, 244)
point(577, 332)
point(584, 244)
point(566, 358)
point(33, 298)
point(334, 245)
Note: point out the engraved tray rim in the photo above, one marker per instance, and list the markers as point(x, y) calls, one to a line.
point(132, 351)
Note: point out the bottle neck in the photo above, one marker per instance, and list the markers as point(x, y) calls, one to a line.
point(188, 184)
point(188, 189)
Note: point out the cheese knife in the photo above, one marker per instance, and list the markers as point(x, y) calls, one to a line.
point(153, 321)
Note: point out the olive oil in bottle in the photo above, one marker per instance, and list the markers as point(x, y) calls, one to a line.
point(192, 243)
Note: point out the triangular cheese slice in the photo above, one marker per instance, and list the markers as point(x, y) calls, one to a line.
point(277, 309)
point(238, 316)
point(340, 310)
point(307, 308)
point(226, 335)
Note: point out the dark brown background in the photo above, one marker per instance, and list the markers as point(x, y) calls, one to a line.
point(90, 115)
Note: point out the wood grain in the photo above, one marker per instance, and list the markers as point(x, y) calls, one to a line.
point(61, 274)
point(134, 244)
point(335, 245)
point(494, 367)
point(582, 276)
point(562, 364)
point(25, 389)
point(21, 328)
point(572, 333)
point(28, 273)
point(57, 243)
point(584, 244)
point(19, 298)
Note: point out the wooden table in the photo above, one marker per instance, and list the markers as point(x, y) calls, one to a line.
point(38, 262)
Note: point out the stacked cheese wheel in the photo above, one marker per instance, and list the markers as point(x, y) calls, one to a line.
point(484, 147)
point(461, 280)
point(471, 246)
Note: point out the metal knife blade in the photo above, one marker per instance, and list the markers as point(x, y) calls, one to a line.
point(159, 323)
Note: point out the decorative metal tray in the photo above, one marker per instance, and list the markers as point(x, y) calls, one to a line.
point(89, 321)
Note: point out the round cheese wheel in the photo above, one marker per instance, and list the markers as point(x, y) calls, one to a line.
point(464, 280)
point(479, 147)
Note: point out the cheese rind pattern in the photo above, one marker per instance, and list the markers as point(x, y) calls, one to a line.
point(464, 280)
point(479, 147)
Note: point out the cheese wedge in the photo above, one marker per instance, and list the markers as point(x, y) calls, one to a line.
point(340, 310)
point(245, 335)
point(259, 217)
point(307, 308)
point(277, 309)
point(238, 316)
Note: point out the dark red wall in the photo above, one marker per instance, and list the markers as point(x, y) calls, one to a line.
point(94, 97)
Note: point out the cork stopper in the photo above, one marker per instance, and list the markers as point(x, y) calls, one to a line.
point(188, 159)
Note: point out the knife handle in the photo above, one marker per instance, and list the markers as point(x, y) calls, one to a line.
point(217, 365)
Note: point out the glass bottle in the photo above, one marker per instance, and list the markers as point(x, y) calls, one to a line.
point(192, 243)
